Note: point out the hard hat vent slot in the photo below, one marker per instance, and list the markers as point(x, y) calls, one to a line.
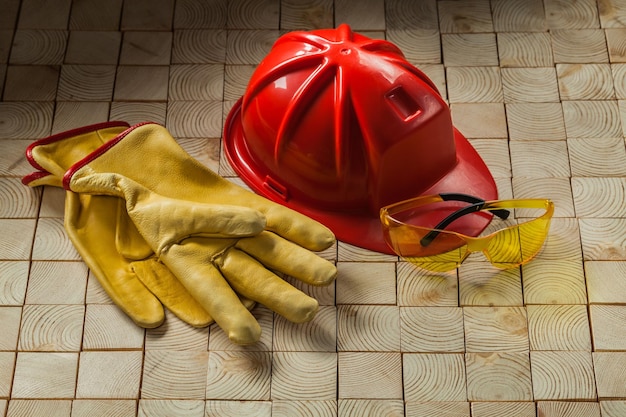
point(404, 105)
point(277, 188)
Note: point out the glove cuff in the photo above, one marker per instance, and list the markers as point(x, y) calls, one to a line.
point(99, 152)
point(67, 134)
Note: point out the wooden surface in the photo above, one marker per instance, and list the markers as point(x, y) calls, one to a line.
point(539, 89)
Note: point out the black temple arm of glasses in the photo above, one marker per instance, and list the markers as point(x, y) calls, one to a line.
point(477, 204)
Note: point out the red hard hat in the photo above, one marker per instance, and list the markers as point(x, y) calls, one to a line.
point(336, 125)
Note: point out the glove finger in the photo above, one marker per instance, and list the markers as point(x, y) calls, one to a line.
point(282, 255)
point(178, 219)
point(164, 285)
point(248, 277)
point(296, 227)
point(193, 267)
point(92, 236)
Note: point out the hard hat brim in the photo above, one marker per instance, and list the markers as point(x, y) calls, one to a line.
point(470, 175)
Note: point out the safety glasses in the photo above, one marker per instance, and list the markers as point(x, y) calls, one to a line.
point(437, 232)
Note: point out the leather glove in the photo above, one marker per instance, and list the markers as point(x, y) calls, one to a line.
point(168, 195)
point(108, 242)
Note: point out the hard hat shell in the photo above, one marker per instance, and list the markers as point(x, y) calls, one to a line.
point(336, 125)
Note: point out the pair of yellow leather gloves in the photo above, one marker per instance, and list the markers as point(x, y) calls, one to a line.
point(157, 228)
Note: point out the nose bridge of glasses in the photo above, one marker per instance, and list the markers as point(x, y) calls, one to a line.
point(477, 244)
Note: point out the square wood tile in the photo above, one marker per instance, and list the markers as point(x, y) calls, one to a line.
point(293, 380)
point(604, 282)
point(558, 327)
point(108, 327)
point(13, 282)
point(41, 375)
point(575, 379)
point(434, 377)
point(511, 16)
point(492, 329)
point(561, 14)
point(498, 376)
point(54, 328)
point(610, 376)
point(607, 329)
point(534, 85)
point(525, 49)
point(366, 283)
point(360, 328)
point(370, 375)
point(422, 329)
point(174, 374)
point(114, 374)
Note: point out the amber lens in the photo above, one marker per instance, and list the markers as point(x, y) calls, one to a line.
point(517, 245)
point(447, 251)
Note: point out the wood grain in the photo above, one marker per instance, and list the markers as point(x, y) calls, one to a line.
point(603, 239)
point(515, 16)
point(304, 375)
point(174, 374)
point(591, 157)
point(432, 329)
point(465, 17)
point(469, 49)
point(525, 163)
point(39, 47)
point(51, 328)
point(306, 15)
point(495, 329)
point(357, 408)
point(370, 375)
point(607, 324)
point(585, 81)
point(474, 84)
point(438, 408)
point(499, 409)
point(107, 327)
point(196, 82)
point(562, 375)
point(524, 49)
point(220, 408)
point(253, 14)
point(579, 46)
point(418, 287)
point(554, 282)
point(599, 197)
point(481, 284)
point(498, 376)
point(368, 328)
point(318, 335)
point(238, 376)
point(251, 45)
point(13, 282)
point(182, 408)
point(563, 14)
point(534, 85)
point(434, 377)
point(194, 119)
point(568, 408)
point(605, 282)
point(548, 123)
point(610, 371)
point(326, 408)
point(558, 327)
point(24, 120)
point(366, 283)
